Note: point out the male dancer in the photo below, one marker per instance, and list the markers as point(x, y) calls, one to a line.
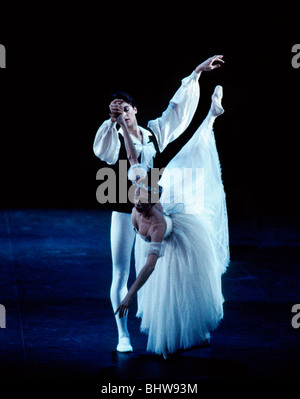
point(109, 146)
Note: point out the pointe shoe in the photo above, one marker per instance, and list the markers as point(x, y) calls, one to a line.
point(124, 345)
point(216, 106)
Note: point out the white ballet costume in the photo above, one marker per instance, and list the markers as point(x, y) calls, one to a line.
point(182, 301)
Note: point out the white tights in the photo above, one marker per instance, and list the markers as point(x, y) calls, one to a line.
point(122, 238)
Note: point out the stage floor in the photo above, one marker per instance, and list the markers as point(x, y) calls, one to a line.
point(55, 282)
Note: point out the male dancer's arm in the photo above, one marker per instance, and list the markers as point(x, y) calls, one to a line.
point(182, 107)
point(107, 144)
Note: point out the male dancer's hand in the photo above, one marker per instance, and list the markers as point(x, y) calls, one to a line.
point(208, 65)
point(116, 109)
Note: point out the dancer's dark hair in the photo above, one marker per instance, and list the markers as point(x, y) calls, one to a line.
point(122, 95)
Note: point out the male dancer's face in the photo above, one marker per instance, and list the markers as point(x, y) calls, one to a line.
point(129, 114)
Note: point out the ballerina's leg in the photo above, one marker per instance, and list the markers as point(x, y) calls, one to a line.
point(216, 108)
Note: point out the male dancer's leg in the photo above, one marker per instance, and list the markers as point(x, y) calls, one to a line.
point(122, 241)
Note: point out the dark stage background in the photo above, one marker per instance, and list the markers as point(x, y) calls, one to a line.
point(64, 60)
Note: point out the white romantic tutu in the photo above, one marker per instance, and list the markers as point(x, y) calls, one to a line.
point(182, 300)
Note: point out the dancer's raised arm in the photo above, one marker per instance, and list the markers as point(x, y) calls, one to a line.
point(209, 64)
point(129, 145)
point(182, 107)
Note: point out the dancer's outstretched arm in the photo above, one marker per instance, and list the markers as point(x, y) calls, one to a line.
point(182, 107)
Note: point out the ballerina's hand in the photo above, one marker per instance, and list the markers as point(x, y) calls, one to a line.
point(123, 307)
point(208, 65)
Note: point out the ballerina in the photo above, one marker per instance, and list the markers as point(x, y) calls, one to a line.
point(185, 251)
